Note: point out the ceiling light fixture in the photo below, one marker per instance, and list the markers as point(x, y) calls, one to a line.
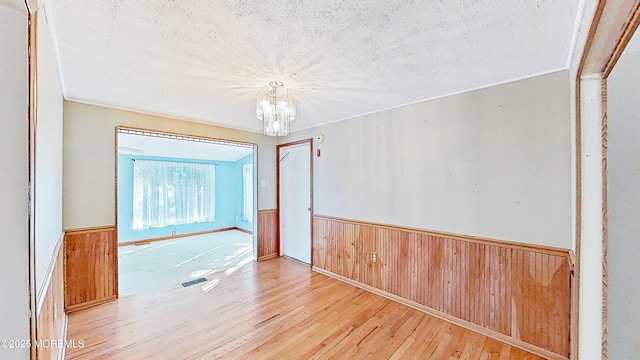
point(276, 107)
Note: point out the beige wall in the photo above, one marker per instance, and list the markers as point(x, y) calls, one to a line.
point(48, 191)
point(89, 148)
point(624, 207)
point(492, 163)
point(14, 220)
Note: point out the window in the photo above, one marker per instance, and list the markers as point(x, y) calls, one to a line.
point(247, 192)
point(172, 193)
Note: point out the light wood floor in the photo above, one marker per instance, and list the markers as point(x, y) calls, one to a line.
point(273, 309)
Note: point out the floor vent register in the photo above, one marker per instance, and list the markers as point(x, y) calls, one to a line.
point(193, 282)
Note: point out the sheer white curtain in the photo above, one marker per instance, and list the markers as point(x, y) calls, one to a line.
point(247, 192)
point(172, 193)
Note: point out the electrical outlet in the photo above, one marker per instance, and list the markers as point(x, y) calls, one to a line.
point(374, 257)
point(173, 232)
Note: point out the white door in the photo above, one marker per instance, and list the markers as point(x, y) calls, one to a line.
point(295, 201)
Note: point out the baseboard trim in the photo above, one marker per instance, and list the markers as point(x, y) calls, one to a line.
point(243, 230)
point(465, 324)
point(62, 350)
point(42, 292)
point(296, 260)
point(87, 304)
point(267, 257)
point(146, 241)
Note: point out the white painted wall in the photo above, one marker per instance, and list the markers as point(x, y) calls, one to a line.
point(634, 43)
point(14, 219)
point(48, 154)
point(590, 299)
point(624, 206)
point(89, 148)
point(492, 163)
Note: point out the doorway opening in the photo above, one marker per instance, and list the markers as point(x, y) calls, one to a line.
point(186, 210)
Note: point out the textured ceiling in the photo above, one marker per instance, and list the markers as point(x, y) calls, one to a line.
point(204, 60)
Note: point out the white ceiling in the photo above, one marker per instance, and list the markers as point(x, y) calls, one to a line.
point(131, 144)
point(204, 60)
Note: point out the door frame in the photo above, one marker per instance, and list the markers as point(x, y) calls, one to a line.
point(600, 54)
point(151, 132)
point(32, 35)
point(278, 147)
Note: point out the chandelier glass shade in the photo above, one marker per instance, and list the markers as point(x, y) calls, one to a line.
point(276, 107)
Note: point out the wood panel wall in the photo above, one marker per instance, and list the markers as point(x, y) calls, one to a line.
point(517, 290)
point(267, 234)
point(91, 267)
point(51, 318)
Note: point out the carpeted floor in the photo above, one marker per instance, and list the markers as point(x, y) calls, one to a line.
point(169, 263)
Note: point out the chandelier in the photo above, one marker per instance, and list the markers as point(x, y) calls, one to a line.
point(276, 107)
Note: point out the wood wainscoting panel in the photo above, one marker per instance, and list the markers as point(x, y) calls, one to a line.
point(519, 290)
point(91, 267)
point(267, 234)
point(51, 318)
